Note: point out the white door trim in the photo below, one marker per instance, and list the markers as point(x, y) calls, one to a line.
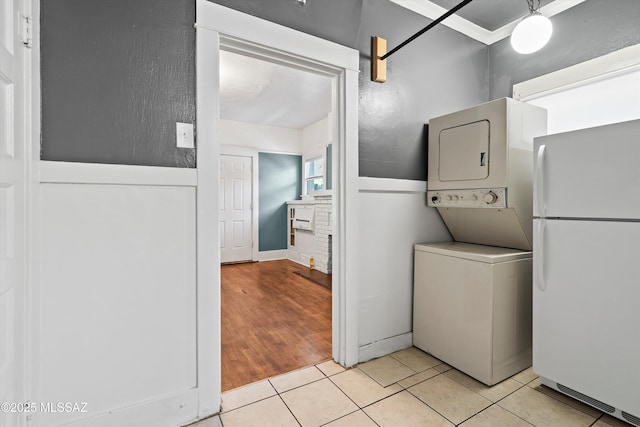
point(220, 26)
point(18, 66)
point(208, 232)
point(611, 64)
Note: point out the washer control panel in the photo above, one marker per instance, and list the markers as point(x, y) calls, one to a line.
point(479, 198)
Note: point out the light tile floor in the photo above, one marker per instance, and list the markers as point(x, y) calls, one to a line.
point(407, 388)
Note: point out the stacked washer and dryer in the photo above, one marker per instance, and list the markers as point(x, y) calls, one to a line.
point(472, 296)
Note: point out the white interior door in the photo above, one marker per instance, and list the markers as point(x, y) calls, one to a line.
point(235, 208)
point(13, 199)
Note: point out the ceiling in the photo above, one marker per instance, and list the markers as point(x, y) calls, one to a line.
point(260, 92)
point(265, 93)
point(491, 14)
point(487, 21)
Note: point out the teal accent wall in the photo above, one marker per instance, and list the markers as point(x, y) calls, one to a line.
point(279, 180)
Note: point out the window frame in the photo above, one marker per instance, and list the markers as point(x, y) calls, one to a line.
point(307, 178)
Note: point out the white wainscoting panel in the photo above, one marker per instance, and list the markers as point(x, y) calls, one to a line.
point(394, 216)
point(117, 300)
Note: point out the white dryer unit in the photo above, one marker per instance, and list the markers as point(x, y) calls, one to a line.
point(472, 308)
point(480, 171)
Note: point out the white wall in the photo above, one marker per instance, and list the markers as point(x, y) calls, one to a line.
point(310, 141)
point(315, 138)
point(261, 137)
point(394, 216)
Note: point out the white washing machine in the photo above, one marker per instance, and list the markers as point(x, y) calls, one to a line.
point(472, 308)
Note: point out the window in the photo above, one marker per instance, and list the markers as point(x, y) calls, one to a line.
point(596, 92)
point(314, 174)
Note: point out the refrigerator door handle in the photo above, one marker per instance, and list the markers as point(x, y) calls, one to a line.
point(539, 256)
point(539, 208)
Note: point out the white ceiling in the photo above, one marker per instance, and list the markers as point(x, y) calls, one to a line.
point(491, 14)
point(259, 92)
point(487, 21)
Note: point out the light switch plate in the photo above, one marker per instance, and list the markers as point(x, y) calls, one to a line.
point(184, 135)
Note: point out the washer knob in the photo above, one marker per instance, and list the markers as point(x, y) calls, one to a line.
point(490, 197)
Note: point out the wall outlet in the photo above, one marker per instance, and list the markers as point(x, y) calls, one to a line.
point(184, 135)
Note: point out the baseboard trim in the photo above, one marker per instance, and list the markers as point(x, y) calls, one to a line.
point(176, 409)
point(273, 255)
point(384, 347)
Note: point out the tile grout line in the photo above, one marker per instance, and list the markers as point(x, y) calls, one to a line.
point(533, 389)
point(302, 385)
point(425, 403)
point(570, 406)
point(289, 409)
point(351, 413)
point(463, 385)
point(522, 385)
point(496, 404)
point(407, 388)
point(361, 408)
point(255, 401)
point(315, 381)
point(294, 388)
point(600, 415)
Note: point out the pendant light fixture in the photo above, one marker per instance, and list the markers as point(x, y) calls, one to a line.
point(533, 31)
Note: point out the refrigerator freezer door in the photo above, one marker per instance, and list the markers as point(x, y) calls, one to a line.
point(586, 308)
point(590, 173)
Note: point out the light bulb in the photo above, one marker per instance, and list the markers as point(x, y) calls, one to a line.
point(531, 34)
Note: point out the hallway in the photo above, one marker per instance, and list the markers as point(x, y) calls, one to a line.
point(273, 321)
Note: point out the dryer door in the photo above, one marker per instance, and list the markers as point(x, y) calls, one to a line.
point(464, 152)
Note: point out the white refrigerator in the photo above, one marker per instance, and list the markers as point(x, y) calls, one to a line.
point(586, 266)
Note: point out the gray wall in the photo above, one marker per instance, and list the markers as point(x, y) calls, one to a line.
point(115, 82)
point(334, 20)
point(279, 180)
point(438, 73)
point(589, 30)
point(116, 76)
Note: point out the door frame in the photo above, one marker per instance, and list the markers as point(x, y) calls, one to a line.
point(23, 149)
point(218, 27)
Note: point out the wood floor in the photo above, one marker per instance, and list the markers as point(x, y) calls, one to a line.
point(273, 321)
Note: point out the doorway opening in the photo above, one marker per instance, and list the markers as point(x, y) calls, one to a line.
point(220, 28)
point(275, 121)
